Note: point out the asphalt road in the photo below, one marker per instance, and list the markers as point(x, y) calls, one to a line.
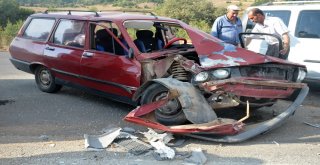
point(26, 114)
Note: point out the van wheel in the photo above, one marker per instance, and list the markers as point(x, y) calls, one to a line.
point(45, 80)
point(169, 114)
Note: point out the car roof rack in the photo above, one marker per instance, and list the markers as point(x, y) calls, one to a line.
point(145, 11)
point(291, 3)
point(70, 11)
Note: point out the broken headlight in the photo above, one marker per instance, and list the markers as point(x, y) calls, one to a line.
point(221, 73)
point(201, 77)
point(301, 75)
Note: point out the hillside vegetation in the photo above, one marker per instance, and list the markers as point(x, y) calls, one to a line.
point(200, 13)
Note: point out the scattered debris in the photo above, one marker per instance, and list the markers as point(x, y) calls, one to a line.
point(276, 143)
point(101, 141)
point(134, 146)
point(162, 151)
point(152, 135)
point(128, 130)
point(4, 102)
point(159, 141)
point(44, 137)
point(313, 125)
point(197, 158)
point(52, 145)
point(176, 143)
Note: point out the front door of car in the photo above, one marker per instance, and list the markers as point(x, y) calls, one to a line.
point(63, 53)
point(105, 66)
point(262, 43)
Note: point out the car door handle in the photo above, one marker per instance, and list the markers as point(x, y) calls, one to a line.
point(50, 48)
point(87, 54)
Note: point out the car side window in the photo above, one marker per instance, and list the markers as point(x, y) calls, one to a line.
point(103, 41)
point(308, 24)
point(39, 29)
point(70, 33)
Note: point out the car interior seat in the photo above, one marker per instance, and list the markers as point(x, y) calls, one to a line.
point(145, 40)
point(105, 42)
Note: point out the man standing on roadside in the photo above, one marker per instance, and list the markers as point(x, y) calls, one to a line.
point(228, 27)
point(271, 25)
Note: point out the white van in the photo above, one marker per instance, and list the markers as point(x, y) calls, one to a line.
point(303, 20)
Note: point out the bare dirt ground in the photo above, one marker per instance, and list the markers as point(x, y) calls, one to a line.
point(42, 128)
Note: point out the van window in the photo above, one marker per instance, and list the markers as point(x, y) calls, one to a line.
point(283, 14)
point(39, 29)
point(308, 24)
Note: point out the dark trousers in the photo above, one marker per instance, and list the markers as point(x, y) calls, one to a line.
point(274, 50)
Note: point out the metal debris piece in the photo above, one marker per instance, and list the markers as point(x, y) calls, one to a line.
point(176, 143)
point(164, 152)
point(152, 135)
point(197, 158)
point(313, 125)
point(128, 130)
point(101, 141)
point(44, 137)
point(134, 146)
point(159, 141)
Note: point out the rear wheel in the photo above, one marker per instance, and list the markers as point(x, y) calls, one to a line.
point(169, 114)
point(45, 80)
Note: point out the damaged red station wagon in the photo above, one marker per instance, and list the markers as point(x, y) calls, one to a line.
point(180, 78)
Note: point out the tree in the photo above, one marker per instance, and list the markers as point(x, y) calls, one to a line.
point(197, 13)
point(10, 11)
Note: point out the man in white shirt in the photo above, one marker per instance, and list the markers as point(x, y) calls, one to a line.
point(271, 25)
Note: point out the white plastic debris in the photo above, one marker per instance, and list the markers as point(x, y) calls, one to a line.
point(164, 151)
point(101, 141)
point(159, 141)
point(152, 135)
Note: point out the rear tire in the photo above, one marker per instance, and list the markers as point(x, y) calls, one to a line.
point(45, 80)
point(169, 114)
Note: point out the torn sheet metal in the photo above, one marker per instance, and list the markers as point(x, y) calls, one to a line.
point(218, 126)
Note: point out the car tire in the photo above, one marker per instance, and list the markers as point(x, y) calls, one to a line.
point(171, 113)
point(45, 80)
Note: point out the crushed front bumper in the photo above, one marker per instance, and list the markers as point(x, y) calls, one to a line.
point(219, 130)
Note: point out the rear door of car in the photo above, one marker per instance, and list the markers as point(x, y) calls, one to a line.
point(105, 65)
point(29, 46)
point(63, 52)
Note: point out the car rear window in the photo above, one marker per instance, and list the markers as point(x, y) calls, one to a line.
point(39, 29)
point(282, 14)
point(308, 24)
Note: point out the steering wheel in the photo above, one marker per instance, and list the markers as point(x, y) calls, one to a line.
point(173, 41)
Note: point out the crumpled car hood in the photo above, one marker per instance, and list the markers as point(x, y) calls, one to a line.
point(214, 53)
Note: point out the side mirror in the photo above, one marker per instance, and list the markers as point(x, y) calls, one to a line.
point(130, 53)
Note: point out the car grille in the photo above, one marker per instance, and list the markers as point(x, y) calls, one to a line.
point(269, 71)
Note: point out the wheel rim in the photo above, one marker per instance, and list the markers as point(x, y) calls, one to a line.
point(171, 108)
point(45, 77)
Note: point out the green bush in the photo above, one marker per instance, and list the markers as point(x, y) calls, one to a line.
point(8, 33)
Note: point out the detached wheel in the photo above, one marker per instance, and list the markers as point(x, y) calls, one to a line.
point(169, 114)
point(45, 80)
